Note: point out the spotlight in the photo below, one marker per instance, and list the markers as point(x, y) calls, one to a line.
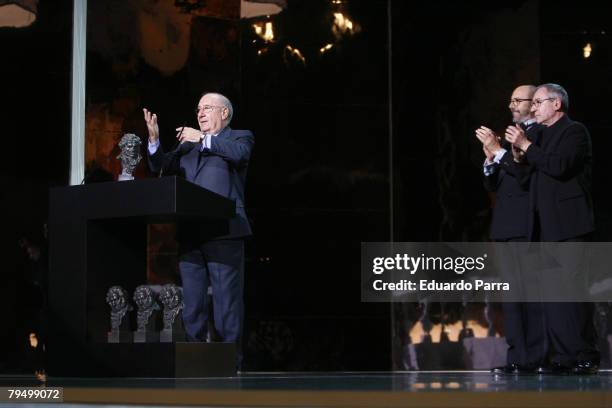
point(326, 48)
point(265, 31)
point(586, 51)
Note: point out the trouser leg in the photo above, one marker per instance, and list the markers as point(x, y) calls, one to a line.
point(194, 276)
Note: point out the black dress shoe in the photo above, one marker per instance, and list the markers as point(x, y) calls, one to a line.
point(585, 368)
point(512, 369)
point(507, 369)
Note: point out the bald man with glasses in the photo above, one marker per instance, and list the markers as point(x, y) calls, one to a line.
point(507, 175)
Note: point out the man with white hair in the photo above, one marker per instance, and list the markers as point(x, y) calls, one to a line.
point(562, 211)
point(215, 157)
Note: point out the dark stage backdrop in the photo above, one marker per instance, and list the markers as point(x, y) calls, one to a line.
point(363, 113)
point(316, 97)
point(35, 128)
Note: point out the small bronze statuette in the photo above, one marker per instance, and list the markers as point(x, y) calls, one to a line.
point(171, 296)
point(147, 315)
point(117, 299)
point(129, 156)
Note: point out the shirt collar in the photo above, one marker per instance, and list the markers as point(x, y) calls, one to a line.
point(529, 122)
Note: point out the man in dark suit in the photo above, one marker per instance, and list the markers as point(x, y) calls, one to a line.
point(505, 170)
point(214, 157)
point(561, 211)
point(507, 174)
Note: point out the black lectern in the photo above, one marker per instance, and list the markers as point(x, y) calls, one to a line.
point(98, 238)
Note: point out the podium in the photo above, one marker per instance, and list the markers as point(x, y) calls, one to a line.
point(98, 238)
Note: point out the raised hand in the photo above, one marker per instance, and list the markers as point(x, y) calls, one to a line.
point(488, 139)
point(516, 135)
point(151, 120)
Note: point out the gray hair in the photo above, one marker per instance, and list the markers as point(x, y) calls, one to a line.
point(225, 102)
point(557, 91)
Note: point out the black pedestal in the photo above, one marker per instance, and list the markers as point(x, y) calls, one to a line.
point(98, 238)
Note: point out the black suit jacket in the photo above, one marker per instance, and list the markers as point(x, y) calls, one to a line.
point(510, 182)
point(222, 169)
point(561, 181)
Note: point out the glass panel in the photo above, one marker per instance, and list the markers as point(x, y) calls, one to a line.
point(311, 82)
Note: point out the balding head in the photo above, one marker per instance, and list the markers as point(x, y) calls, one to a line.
point(527, 90)
point(214, 112)
point(520, 103)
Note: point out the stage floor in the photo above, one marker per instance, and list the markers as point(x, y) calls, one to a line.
point(340, 389)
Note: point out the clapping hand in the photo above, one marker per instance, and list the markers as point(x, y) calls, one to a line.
point(490, 141)
point(516, 135)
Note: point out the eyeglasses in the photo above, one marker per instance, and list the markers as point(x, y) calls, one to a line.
point(516, 101)
point(207, 108)
point(537, 102)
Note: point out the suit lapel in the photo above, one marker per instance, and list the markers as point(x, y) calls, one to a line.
point(225, 132)
point(190, 163)
point(204, 156)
